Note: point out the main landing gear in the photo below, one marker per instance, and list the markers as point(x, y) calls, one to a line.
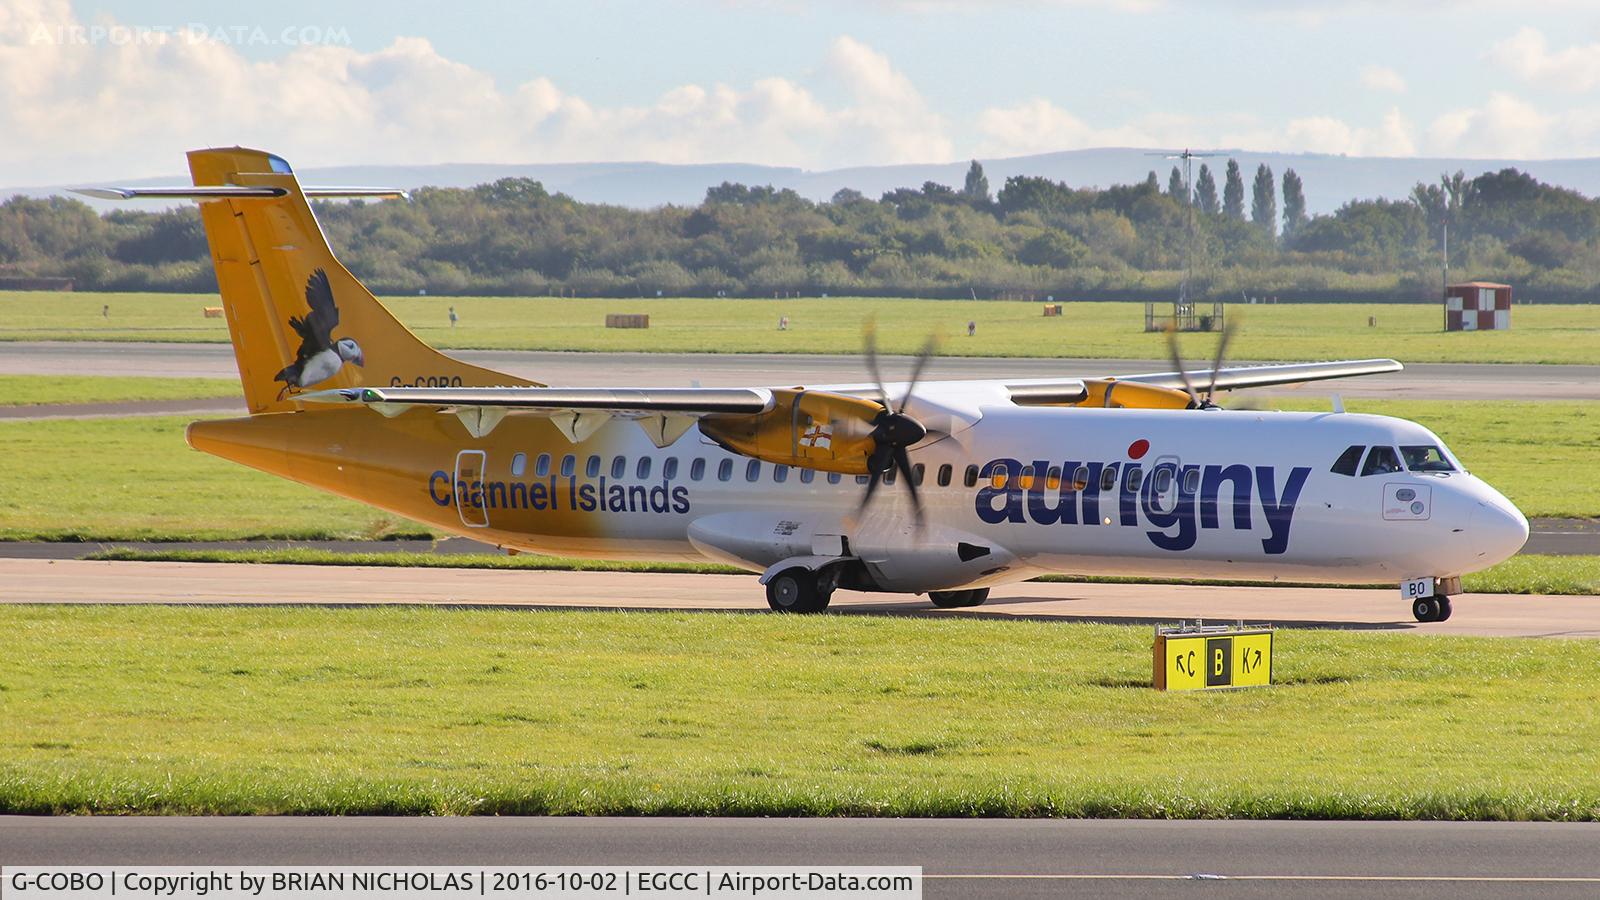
point(1431, 609)
point(958, 599)
point(800, 590)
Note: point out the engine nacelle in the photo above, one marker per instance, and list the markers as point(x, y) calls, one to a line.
point(812, 429)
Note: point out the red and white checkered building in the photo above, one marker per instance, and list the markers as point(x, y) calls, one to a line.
point(1477, 306)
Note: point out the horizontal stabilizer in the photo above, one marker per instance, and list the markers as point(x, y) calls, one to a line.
point(205, 193)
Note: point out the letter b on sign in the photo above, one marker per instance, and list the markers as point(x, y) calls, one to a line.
point(1219, 662)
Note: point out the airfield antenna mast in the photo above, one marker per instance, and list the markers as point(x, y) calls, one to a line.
point(1188, 158)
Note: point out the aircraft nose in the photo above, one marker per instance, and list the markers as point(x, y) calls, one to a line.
point(1497, 531)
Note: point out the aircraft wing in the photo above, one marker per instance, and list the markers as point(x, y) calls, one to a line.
point(665, 413)
point(1236, 377)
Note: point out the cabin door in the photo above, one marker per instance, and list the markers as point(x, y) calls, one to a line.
point(470, 489)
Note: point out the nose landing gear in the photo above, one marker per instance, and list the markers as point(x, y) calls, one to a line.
point(1431, 609)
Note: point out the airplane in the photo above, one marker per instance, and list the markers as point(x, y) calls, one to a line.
point(944, 488)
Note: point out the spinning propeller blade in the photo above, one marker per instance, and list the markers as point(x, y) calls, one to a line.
point(893, 431)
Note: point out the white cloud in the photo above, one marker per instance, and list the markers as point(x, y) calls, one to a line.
point(98, 108)
point(1527, 55)
point(1383, 78)
point(1504, 126)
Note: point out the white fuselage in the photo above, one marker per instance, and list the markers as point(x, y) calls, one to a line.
point(1185, 493)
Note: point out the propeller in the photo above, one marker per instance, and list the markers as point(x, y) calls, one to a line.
point(1195, 400)
point(893, 432)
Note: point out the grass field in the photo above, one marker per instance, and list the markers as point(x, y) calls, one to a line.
point(135, 479)
point(34, 390)
point(1528, 574)
point(1409, 332)
point(399, 711)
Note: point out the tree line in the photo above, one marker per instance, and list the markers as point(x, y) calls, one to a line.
point(1032, 237)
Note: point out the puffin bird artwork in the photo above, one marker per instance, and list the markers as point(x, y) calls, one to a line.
point(320, 357)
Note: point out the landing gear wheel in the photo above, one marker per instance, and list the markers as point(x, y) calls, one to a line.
point(798, 591)
point(958, 599)
point(1431, 609)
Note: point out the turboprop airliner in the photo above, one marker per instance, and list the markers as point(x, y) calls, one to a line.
point(946, 488)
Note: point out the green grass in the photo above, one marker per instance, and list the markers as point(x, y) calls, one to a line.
point(418, 711)
point(1540, 334)
point(35, 390)
point(1530, 574)
point(135, 479)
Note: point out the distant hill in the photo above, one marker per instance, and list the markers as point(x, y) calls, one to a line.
point(1330, 181)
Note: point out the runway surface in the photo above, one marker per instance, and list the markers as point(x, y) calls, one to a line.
point(960, 858)
point(1420, 381)
point(83, 581)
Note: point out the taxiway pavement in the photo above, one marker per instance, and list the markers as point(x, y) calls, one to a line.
point(87, 581)
point(1462, 381)
point(959, 857)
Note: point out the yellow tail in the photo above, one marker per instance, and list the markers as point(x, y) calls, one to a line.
point(298, 319)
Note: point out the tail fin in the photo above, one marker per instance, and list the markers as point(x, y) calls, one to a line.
point(298, 319)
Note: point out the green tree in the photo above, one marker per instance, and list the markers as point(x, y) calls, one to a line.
point(1294, 204)
point(976, 190)
point(1233, 193)
point(1152, 182)
point(1205, 189)
point(1263, 201)
point(1175, 186)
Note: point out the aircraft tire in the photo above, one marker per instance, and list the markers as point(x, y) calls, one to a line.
point(1428, 609)
point(958, 599)
point(795, 591)
point(1444, 608)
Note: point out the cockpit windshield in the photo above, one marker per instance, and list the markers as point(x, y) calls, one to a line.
point(1426, 458)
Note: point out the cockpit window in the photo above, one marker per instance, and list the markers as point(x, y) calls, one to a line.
point(1381, 461)
point(1349, 461)
point(1426, 458)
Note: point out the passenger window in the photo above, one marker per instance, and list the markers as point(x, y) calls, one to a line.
point(1131, 482)
point(619, 467)
point(697, 470)
point(1381, 461)
point(863, 479)
point(971, 478)
point(835, 478)
point(1162, 480)
point(752, 470)
point(592, 467)
point(519, 464)
point(669, 468)
point(780, 474)
point(1191, 481)
point(643, 470)
point(1108, 478)
point(1052, 478)
point(569, 464)
point(1025, 478)
point(1080, 478)
point(917, 473)
point(945, 471)
point(541, 466)
point(1427, 458)
point(725, 470)
point(807, 475)
point(888, 475)
point(1349, 461)
point(998, 478)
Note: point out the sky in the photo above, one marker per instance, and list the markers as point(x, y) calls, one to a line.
point(100, 89)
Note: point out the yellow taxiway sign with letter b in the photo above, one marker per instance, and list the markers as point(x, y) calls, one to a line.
point(1199, 658)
